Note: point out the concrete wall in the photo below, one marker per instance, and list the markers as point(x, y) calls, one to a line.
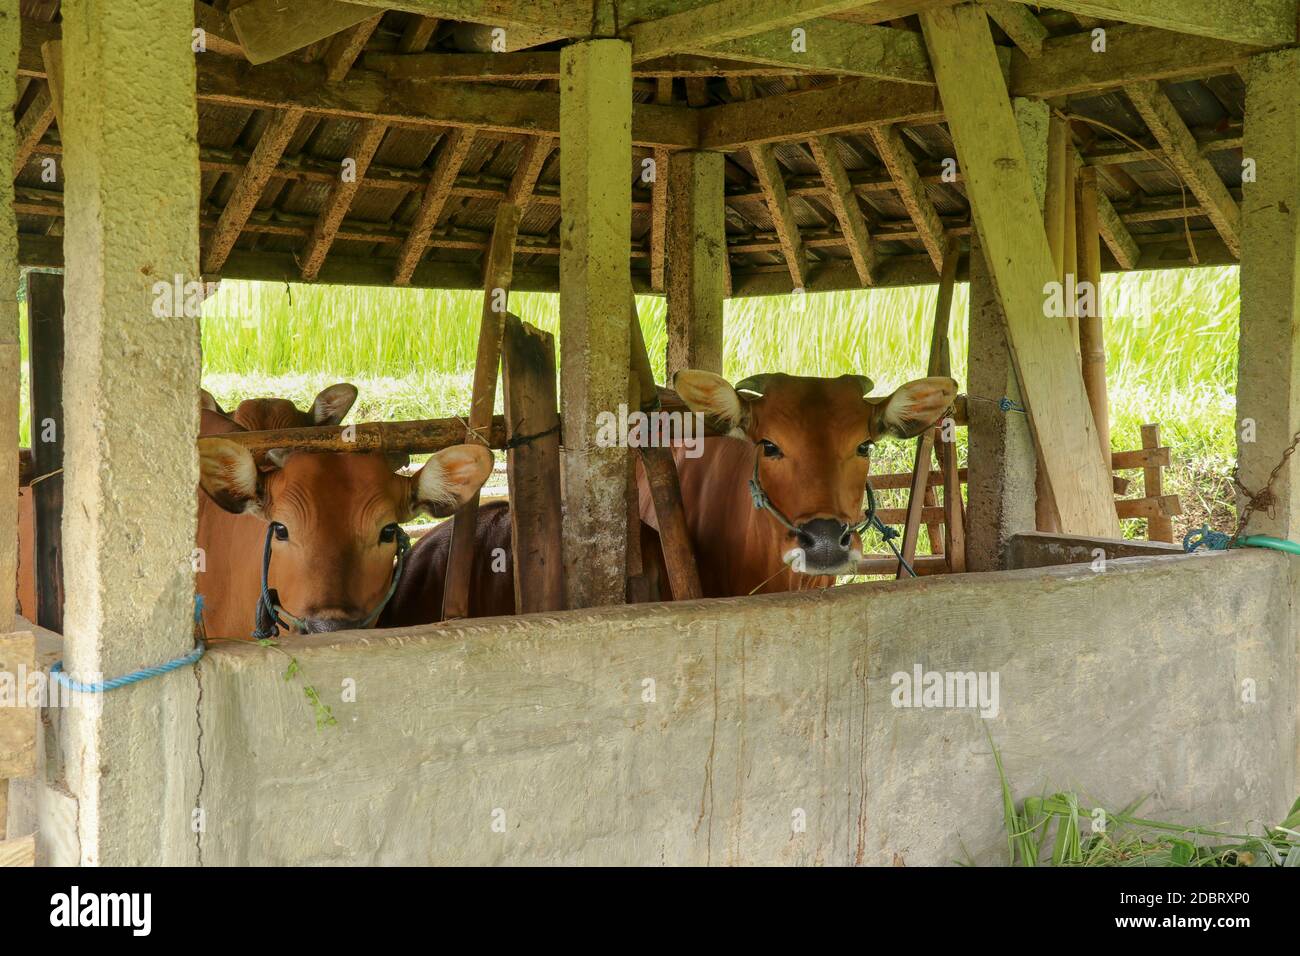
point(764, 711)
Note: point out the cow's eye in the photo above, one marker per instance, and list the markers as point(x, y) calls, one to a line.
point(388, 534)
point(769, 448)
point(280, 531)
point(864, 450)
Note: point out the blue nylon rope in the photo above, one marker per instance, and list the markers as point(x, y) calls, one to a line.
point(56, 670)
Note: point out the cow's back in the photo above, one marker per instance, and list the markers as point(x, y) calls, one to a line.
point(418, 598)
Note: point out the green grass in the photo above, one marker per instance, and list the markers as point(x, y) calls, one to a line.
point(1171, 341)
point(1061, 830)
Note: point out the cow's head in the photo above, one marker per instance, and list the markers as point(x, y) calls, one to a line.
point(812, 441)
point(334, 518)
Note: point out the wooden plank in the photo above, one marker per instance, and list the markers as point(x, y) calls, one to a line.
point(725, 20)
point(1038, 550)
point(1019, 23)
point(268, 29)
point(52, 57)
point(554, 17)
point(1092, 342)
point(887, 565)
point(1159, 527)
point(902, 169)
point(1153, 508)
point(665, 489)
point(1118, 239)
point(361, 150)
point(545, 65)
point(1007, 217)
point(18, 724)
point(45, 379)
point(659, 198)
point(249, 187)
point(219, 33)
point(772, 182)
point(496, 289)
point(451, 156)
point(695, 276)
point(595, 312)
point(345, 47)
point(850, 49)
point(1241, 21)
point(844, 203)
point(20, 851)
point(1142, 458)
point(524, 181)
point(419, 31)
point(1183, 153)
point(36, 120)
point(533, 467)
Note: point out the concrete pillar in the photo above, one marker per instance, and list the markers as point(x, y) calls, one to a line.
point(1000, 493)
point(9, 357)
point(595, 310)
point(1268, 369)
point(131, 414)
point(696, 277)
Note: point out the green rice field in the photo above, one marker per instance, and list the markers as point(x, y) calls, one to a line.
point(1171, 339)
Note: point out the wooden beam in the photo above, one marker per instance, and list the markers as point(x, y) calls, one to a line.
point(902, 169)
point(772, 182)
point(219, 33)
point(249, 186)
point(545, 65)
point(451, 156)
point(554, 17)
point(659, 198)
point(1182, 152)
point(1242, 21)
point(496, 290)
point(1092, 342)
point(1067, 66)
point(367, 95)
point(528, 169)
point(268, 29)
point(844, 203)
point(1007, 217)
point(345, 47)
point(52, 56)
point(725, 20)
point(419, 31)
point(36, 120)
point(851, 49)
point(361, 150)
point(595, 312)
point(696, 249)
point(1019, 23)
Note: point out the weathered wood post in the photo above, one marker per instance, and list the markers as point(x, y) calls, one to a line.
point(595, 311)
point(1001, 461)
point(1268, 370)
point(132, 211)
point(696, 274)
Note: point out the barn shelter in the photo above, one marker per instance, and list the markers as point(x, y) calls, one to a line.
point(698, 149)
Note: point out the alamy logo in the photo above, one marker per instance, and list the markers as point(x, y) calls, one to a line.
point(952, 690)
point(651, 430)
point(103, 909)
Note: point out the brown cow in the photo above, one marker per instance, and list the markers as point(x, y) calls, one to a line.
point(333, 520)
point(808, 440)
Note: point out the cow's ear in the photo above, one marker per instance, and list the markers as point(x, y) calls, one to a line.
point(333, 404)
point(208, 403)
point(228, 473)
point(450, 478)
point(913, 408)
point(713, 396)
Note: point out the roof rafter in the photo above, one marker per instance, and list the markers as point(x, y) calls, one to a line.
point(1242, 21)
point(1019, 23)
point(848, 211)
point(725, 20)
point(361, 150)
point(852, 49)
point(451, 156)
point(902, 169)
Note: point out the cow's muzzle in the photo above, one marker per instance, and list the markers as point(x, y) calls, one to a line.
point(825, 546)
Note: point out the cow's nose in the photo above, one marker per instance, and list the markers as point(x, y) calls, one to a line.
point(322, 625)
point(825, 543)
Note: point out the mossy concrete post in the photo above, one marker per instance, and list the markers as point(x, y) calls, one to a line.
point(1000, 493)
point(132, 366)
point(696, 277)
point(1268, 370)
point(595, 311)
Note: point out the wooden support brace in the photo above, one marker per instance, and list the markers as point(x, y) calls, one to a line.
point(844, 203)
point(36, 120)
point(451, 156)
point(496, 289)
point(1015, 245)
point(365, 143)
point(772, 182)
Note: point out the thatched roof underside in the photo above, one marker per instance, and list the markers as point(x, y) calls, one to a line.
point(305, 224)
